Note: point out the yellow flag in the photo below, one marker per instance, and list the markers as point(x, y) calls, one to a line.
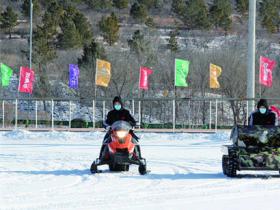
point(215, 72)
point(103, 73)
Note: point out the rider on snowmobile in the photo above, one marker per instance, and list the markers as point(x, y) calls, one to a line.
point(118, 113)
point(263, 115)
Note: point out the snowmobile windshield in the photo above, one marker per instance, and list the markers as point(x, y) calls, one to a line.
point(121, 125)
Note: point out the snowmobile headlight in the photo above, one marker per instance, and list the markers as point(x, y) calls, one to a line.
point(224, 150)
point(121, 134)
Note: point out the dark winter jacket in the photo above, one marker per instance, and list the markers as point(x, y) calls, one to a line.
point(269, 118)
point(122, 114)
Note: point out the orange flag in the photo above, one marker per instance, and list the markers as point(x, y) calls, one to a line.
point(103, 73)
point(215, 72)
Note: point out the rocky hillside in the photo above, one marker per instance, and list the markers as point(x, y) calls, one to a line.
point(159, 22)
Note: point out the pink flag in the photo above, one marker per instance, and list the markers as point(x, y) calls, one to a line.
point(266, 68)
point(276, 110)
point(26, 80)
point(143, 78)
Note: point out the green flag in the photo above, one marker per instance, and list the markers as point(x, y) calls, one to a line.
point(6, 73)
point(181, 72)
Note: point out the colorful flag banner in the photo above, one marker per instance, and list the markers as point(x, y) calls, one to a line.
point(103, 73)
point(143, 77)
point(181, 72)
point(215, 72)
point(26, 80)
point(266, 68)
point(6, 74)
point(276, 111)
point(74, 73)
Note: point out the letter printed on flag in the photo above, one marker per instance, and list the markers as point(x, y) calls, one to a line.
point(103, 73)
point(143, 77)
point(26, 80)
point(6, 73)
point(181, 72)
point(266, 68)
point(215, 72)
point(74, 73)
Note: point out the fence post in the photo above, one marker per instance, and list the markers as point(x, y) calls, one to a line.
point(16, 113)
point(3, 112)
point(104, 111)
point(93, 114)
point(174, 115)
point(52, 115)
point(139, 113)
point(247, 114)
point(36, 114)
point(70, 117)
point(216, 120)
point(133, 108)
point(210, 117)
point(189, 118)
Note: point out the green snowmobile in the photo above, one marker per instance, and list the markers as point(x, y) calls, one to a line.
point(253, 148)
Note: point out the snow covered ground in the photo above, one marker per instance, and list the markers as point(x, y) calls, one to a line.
point(50, 170)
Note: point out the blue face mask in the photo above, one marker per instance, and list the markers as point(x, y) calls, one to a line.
point(117, 107)
point(262, 110)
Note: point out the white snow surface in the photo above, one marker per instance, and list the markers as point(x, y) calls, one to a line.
point(50, 170)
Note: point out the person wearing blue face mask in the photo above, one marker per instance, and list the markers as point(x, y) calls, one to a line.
point(263, 115)
point(119, 113)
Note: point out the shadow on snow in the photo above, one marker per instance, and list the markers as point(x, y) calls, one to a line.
point(73, 172)
point(200, 176)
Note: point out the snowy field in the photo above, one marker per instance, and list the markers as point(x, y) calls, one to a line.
point(50, 170)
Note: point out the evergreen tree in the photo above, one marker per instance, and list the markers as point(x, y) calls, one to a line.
point(83, 26)
point(179, 7)
point(76, 29)
point(43, 52)
point(91, 52)
point(52, 17)
point(26, 8)
point(242, 6)
point(270, 15)
point(70, 37)
point(110, 28)
point(99, 4)
point(148, 3)
point(43, 46)
point(220, 13)
point(172, 41)
point(150, 22)
point(1, 18)
point(139, 12)
point(137, 44)
point(196, 15)
point(9, 20)
point(120, 4)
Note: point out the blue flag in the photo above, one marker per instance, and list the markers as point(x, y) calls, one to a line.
point(74, 73)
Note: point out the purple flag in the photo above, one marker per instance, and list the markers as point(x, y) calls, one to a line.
point(73, 76)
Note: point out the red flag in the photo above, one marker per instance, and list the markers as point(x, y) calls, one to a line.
point(276, 110)
point(26, 80)
point(143, 78)
point(266, 68)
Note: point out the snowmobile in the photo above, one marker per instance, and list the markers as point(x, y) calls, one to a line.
point(253, 148)
point(119, 150)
